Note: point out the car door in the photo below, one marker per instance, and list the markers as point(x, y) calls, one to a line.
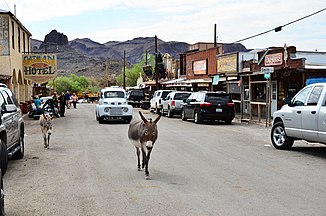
point(187, 106)
point(293, 118)
point(8, 119)
point(321, 130)
point(310, 111)
point(166, 102)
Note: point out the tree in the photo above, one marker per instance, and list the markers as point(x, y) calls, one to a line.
point(134, 72)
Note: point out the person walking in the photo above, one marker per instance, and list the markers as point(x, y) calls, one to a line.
point(67, 97)
point(74, 99)
point(55, 104)
point(62, 102)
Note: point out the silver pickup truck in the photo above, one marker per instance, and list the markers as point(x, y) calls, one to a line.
point(302, 118)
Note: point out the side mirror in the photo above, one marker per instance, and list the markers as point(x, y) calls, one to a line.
point(9, 108)
point(287, 101)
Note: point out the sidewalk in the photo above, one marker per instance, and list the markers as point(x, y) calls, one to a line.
point(254, 120)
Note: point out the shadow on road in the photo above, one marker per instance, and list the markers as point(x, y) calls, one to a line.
point(317, 151)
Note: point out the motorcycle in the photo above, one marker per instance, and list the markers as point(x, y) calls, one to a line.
point(47, 107)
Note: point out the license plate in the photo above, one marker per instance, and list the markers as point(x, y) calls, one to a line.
point(218, 110)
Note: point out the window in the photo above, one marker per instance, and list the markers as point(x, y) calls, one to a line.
point(300, 99)
point(7, 97)
point(13, 34)
point(24, 42)
point(181, 96)
point(19, 39)
point(314, 96)
point(114, 94)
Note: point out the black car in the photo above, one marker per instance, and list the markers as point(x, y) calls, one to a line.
point(135, 97)
point(209, 106)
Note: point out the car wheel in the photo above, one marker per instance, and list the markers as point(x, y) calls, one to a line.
point(3, 157)
point(170, 115)
point(20, 153)
point(279, 138)
point(97, 118)
point(183, 115)
point(2, 198)
point(197, 119)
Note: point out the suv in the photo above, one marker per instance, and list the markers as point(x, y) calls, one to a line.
point(136, 96)
point(157, 99)
point(302, 118)
point(173, 101)
point(209, 106)
point(113, 106)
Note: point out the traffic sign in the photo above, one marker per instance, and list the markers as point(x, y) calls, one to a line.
point(266, 70)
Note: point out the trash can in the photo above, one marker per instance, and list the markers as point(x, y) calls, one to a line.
point(23, 107)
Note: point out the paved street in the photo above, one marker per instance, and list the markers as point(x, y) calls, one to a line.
point(205, 169)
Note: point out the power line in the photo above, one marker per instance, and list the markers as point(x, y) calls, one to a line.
point(7, 5)
point(279, 28)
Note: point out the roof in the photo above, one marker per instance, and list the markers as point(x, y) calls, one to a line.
point(15, 18)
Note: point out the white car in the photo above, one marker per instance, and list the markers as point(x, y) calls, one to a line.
point(156, 102)
point(113, 105)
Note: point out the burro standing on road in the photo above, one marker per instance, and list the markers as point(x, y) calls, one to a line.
point(46, 128)
point(143, 134)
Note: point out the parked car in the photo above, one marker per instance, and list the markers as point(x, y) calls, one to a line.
point(113, 105)
point(11, 126)
point(303, 118)
point(209, 106)
point(173, 102)
point(157, 99)
point(136, 97)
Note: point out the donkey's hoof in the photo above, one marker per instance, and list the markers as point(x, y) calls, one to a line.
point(147, 177)
point(45, 146)
point(139, 169)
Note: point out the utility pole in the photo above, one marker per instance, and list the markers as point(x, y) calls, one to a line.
point(156, 67)
point(146, 53)
point(124, 69)
point(107, 73)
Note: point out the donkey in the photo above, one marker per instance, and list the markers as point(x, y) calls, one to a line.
point(46, 128)
point(143, 134)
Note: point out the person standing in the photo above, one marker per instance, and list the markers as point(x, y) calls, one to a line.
point(74, 99)
point(67, 97)
point(55, 104)
point(62, 102)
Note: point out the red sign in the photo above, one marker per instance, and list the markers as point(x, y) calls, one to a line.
point(274, 59)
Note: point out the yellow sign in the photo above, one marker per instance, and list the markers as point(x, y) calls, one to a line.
point(227, 64)
point(40, 68)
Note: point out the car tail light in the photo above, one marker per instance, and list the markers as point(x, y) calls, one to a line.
point(205, 104)
point(230, 104)
point(173, 103)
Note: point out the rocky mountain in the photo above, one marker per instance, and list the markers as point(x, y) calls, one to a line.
point(88, 58)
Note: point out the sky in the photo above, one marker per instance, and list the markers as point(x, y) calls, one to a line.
point(187, 21)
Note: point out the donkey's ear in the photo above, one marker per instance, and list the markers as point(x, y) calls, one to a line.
point(157, 119)
point(142, 117)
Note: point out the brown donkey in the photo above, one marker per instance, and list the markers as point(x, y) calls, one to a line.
point(143, 134)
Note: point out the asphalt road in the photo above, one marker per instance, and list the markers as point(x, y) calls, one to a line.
point(206, 169)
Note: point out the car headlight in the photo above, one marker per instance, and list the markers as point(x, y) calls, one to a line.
point(125, 109)
point(107, 109)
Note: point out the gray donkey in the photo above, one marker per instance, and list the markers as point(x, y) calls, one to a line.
point(142, 134)
point(46, 128)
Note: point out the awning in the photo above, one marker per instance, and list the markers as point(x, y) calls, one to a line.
point(320, 67)
point(205, 80)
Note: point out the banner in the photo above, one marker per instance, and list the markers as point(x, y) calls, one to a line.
point(40, 68)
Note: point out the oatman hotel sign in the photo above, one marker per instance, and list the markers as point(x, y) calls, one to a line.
point(40, 68)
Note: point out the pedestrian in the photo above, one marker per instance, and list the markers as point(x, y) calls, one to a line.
point(62, 102)
point(68, 97)
point(74, 99)
point(37, 102)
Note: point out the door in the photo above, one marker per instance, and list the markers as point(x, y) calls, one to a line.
point(310, 115)
point(273, 96)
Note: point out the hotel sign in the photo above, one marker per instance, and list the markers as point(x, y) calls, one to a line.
point(40, 68)
point(274, 59)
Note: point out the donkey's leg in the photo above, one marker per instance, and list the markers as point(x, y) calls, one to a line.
point(138, 159)
point(149, 150)
point(44, 138)
point(48, 141)
point(143, 152)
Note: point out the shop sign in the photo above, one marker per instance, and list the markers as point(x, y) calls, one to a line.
point(274, 59)
point(200, 67)
point(40, 68)
point(216, 79)
point(227, 64)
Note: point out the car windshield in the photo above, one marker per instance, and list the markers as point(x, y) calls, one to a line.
point(215, 97)
point(137, 93)
point(181, 96)
point(114, 94)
